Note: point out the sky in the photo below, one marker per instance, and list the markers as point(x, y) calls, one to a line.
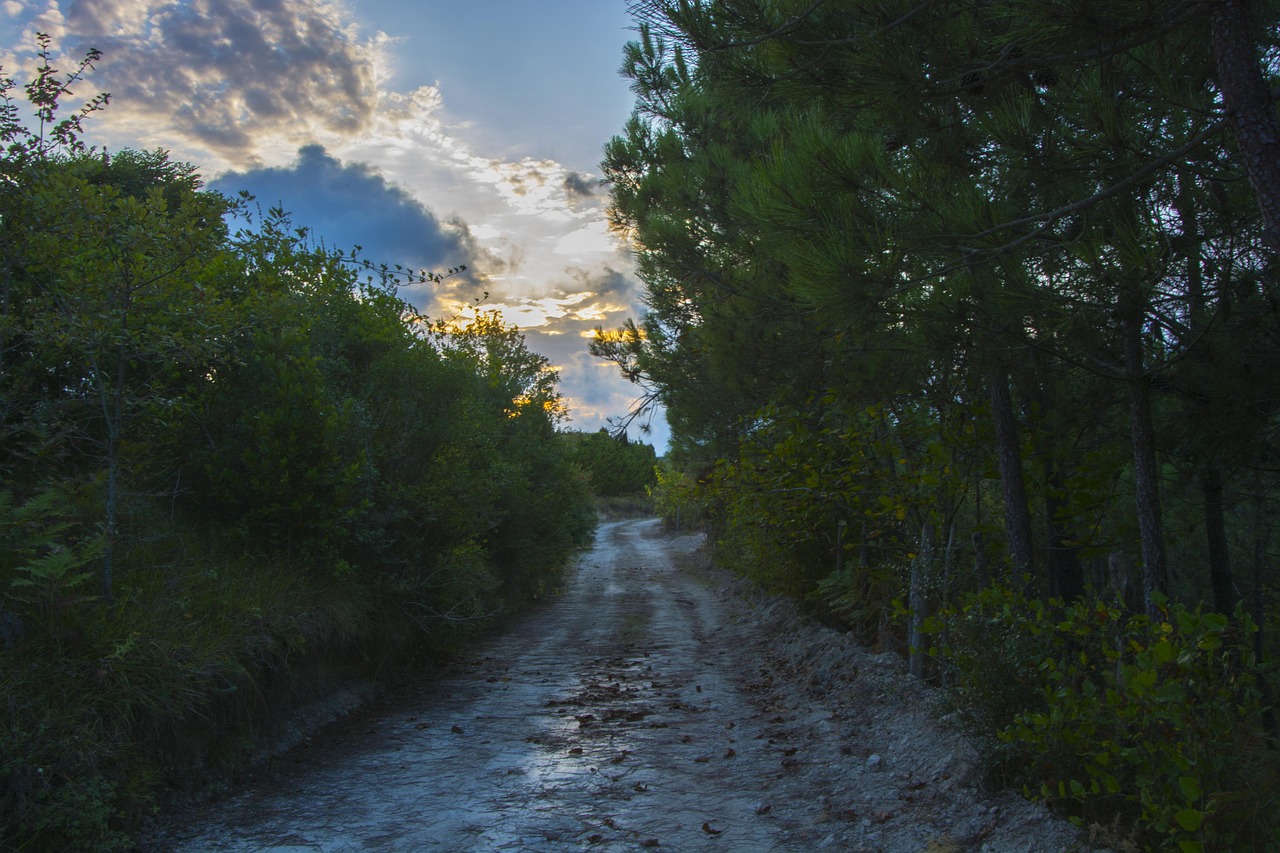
point(431, 134)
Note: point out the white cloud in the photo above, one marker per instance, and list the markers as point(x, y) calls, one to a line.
point(49, 20)
point(592, 238)
point(128, 18)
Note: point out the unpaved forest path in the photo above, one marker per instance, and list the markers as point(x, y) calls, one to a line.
point(655, 704)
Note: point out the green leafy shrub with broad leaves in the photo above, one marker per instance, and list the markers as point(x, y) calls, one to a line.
point(676, 498)
point(1116, 718)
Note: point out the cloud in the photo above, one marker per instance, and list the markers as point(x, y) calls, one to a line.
point(352, 204)
point(608, 284)
point(224, 72)
point(592, 238)
point(594, 389)
point(578, 184)
point(239, 86)
point(587, 299)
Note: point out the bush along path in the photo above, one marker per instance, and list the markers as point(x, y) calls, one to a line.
point(656, 703)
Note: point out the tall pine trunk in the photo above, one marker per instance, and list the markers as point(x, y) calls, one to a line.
point(1066, 575)
point(1250, 108)
point(1215, 525)
point(1142, 439)
point(1017, 515)
point(1224, 593)
point(1261, 543)
point(918, 595)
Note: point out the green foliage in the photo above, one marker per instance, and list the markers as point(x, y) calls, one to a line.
point(1108, 715)
point(857, 595)
point(103, 704)
point(988, 274)
point(46, 554)
point(271, 467)
point(276, 461)
point(677, 499)
point(617, 467)
point(900, 206)
point(825, 501)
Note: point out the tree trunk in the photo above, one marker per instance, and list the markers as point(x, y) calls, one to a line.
point(1260, 543)
point(1250, 109)
point(115, 422)
point(944, 639)
point(981, 571)
point(1220, 577)
point(1224, 593)
point(1145, 471)
point(840, 526)
point(1017, 517)
point(918, 595)
point(1066, 575)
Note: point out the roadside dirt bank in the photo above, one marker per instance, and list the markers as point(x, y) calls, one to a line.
point(657, 703)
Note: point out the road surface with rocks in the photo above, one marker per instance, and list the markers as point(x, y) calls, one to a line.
point(656, 703)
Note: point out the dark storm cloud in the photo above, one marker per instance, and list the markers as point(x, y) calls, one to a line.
point(228, 70)
point(614, 294)
point(607, 283)
point(348, 205)
point(577, 184)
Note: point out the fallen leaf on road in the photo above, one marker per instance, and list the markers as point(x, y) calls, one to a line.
point(729, 753)
point(649, 842)
point(763, 808)
point(457, 730)
point(709, 830)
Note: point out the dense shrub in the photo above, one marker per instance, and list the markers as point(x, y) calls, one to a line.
point(225, 458)
point(616, 467)
point(1115, 718)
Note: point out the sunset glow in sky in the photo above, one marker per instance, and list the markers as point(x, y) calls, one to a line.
point(430, 133)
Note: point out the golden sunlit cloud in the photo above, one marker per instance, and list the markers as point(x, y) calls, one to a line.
point(531, 313)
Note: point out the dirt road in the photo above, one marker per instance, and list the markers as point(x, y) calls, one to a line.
point(655, 704)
